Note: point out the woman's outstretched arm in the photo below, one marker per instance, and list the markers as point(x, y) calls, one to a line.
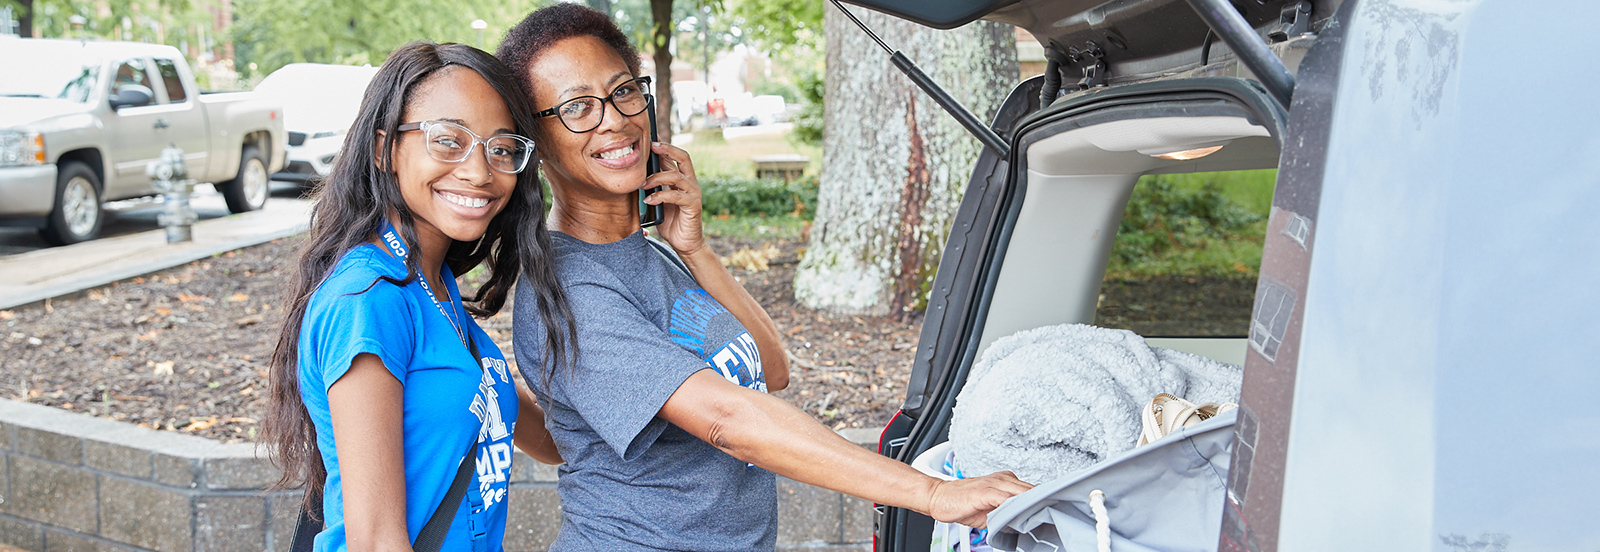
point(532, 437)
point(681, 227)
point(366, 404)
point(768, 432)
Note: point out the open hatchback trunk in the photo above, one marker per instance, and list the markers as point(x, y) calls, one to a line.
point(1140, 79)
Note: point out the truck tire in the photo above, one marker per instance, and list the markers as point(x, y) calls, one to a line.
point(248, 190)
point(77, 213)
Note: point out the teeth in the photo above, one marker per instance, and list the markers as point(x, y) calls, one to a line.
point(616, 153)
point(464, 201)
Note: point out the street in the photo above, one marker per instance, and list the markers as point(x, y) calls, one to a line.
point(138, 215)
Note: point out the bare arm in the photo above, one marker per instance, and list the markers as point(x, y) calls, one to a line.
point(532, 437)
point(768, 432)
point(366, 405)
point(716, 280)
point(681, 227)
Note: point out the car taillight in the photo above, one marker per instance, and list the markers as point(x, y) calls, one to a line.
point(885, 431)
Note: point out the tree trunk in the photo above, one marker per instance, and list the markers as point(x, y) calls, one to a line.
point(895, 164)
point(661, 11)
point(25, 18)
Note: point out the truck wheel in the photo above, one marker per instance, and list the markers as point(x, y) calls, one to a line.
point(248, 190)
point(77, 215)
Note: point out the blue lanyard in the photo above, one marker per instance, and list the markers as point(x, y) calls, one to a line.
point(392, 239)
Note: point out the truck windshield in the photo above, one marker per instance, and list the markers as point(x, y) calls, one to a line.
point(51, 73)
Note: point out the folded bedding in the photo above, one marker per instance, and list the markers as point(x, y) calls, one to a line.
point(1049, 401)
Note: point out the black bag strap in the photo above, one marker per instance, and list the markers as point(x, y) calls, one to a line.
point(672, 258)
point(432, 535)
point(305, 531)
point(431, 538)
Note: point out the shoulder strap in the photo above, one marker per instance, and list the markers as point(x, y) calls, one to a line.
point(670, 257)
point(432, 535)
point(305, 531)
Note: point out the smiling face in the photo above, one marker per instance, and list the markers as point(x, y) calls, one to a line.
point(604, 163)
point(453, 201)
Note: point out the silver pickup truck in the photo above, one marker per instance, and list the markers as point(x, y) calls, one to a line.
point(79, 120)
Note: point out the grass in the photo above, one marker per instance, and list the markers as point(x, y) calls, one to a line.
point(1252, 190)
point(715, 156)
point(1210, 224)
point(755, 226)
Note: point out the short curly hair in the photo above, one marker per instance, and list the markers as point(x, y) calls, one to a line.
point(547, 26)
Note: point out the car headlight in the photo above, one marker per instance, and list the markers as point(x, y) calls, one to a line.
point(21, 148)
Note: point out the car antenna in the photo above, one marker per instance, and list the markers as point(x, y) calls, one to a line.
point(987, 135)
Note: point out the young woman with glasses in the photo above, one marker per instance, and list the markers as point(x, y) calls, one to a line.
point(385, 390)
point(670, 439)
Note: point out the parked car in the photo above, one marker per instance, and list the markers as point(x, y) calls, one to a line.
point(688, 99)
point(1421, 355)
point(79, 121)
point(320, 102)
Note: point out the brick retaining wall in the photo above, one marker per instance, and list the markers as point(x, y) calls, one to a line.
point(71, 482)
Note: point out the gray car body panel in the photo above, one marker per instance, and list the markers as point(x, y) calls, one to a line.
point(1449, 353)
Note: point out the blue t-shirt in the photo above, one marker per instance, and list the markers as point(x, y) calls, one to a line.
point(450, 402)
point(632, 481)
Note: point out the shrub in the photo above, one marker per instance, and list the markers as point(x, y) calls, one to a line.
point(1165, 223)
point(808, 123)
point(735, 196)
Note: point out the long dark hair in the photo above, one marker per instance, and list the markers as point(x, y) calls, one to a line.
point(352, 202)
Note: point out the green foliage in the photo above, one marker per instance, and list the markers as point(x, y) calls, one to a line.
point(170, 22)
point(638, 22)
point(751, 197)
point(778, 24)
point(274, 33)
point(808, 124)
point(1208, 224)
point(781, 227)
point(765, 86)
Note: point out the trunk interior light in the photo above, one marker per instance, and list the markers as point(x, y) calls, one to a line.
point(1188, 154)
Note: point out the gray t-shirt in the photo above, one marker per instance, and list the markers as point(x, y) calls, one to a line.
point(633, 481)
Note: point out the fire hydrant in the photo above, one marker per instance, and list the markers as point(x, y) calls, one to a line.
point(171, 178)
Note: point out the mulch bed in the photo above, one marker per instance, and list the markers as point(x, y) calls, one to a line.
point(186, 349)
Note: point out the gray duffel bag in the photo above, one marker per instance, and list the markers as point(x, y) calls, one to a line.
point(1166, 496)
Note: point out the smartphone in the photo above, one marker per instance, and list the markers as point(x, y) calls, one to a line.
point(650, 215)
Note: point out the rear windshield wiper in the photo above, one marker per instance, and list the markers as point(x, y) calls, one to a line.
point(987, 135)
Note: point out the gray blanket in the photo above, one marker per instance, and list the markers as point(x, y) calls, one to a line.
point(1049, 401)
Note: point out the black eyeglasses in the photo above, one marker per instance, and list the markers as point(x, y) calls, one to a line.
point(453, 143)
point(584, 113)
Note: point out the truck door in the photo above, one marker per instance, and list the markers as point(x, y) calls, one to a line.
point(137, 132)
point(186, 119)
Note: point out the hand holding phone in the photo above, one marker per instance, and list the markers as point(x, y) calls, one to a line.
point(650, 215)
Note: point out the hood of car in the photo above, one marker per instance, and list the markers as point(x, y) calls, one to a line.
point(1135, 38)
point(19, 112)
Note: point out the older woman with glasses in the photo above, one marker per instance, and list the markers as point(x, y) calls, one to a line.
point(661, 411)
point(390, 406)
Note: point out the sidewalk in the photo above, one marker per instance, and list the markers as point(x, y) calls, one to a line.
point(38, 275)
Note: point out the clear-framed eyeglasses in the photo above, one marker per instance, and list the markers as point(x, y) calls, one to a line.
point(584, 113)
point(453, 143)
